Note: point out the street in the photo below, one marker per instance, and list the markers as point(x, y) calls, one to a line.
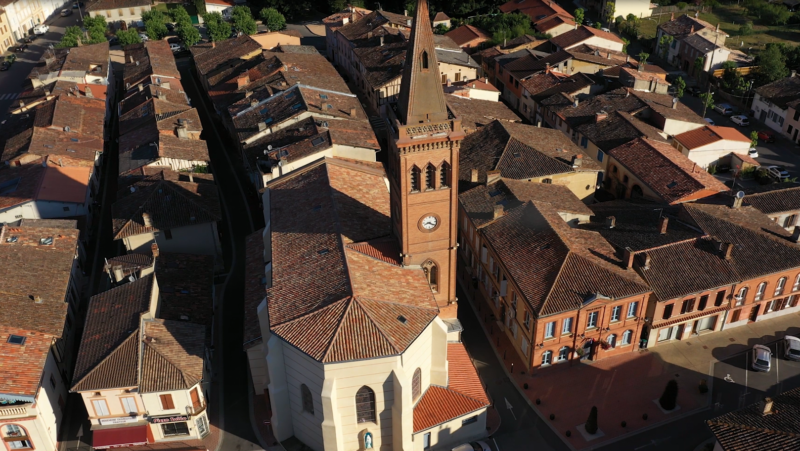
point(12, 81)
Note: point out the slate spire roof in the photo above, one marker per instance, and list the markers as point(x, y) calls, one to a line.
point(421, 95)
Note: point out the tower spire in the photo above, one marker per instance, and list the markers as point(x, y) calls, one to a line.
point(421, 96)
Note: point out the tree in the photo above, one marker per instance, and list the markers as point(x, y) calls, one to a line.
point(189, 35)
point(579, 13)
point(610, 10)
point(746, 29)
point(775, 14)
point(154, 15)
point(680, 87)
point(273, 19)
point(753, 138)
point(591, 423)
point(72, 38)
point(643, 58)
point(218, 29)
point(128, 37)
point(632, 24)
point(96, 29)
point(669, 398)
point(155, 30)
point(708, 101)
point(505, 26)
point(441, 29)
point(243, 21)
point(663, 45)
point(180, 16)
point(681, 5)
point(731, 80)
point(625, 43)
point(699, 65)
point(200, 6)
point(771, 65)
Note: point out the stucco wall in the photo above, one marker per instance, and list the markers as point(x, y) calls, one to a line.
point(769, 113)
point(199, 239)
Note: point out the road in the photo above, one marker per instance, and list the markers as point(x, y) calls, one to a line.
point(12, 81)
point(521, 428)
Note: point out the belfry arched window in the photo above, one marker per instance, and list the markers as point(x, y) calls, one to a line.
point(430, 176)
point(416, 173)
point(432, 274)
point(424, 60)
point(444, 175)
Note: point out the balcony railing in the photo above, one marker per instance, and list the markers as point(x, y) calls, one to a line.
point(196, 410)
point(15, 411)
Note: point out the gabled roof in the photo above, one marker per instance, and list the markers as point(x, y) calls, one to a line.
point(781, 92)
point(186, 287)
point(465, 34)
point(22, 366)
point(774, 198)
point(749, 429)
point(146, 145)
point(208, 56)
point(464, 392)
point(440, 16)
point(666, 171)
point(476, 113)
point(583, 33)
point(154, 109)
point(616, 129)
point(519, 152)
point(151, 58)
point(170, 202)
point(709, 134)
point(328, 299)
point(172, 355)
point(684, 25)
point(372, 22)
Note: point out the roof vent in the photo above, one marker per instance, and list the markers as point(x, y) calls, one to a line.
point(12, 239)
point(184, 318)
point(66, 128)
point(323, 251)
point(46, 241)
point(402, 319)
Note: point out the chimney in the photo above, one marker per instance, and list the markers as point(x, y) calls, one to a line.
point(408, 22)
point(576, 26)
point(796, 234)
point(646, 263)
point(253, 103)
point(611, 222)
point(131, 58)
point(161, 95)
point(473, 177)
point(345, 20)
point(728, 249)
point(154, 250)
point(662, 225)
point(146, 218)
point(213, 45)
point(600, 116)
point(141, 88)
point(609, 55)
point(262, 126)
point(369, 35)
point(737, 202)
point(405, 12)
point(492, 176)
point(191, 178)
point(381, 41)
point(627, 58)
point(717, 30)
point(577, 161)
point(766, 407)
point(243, 80)
point(498, 211)
point(182, 132)
point(165, 85)
point(627, 258)
point(794, 73)
point(352, 112)
point(89, 92)
point(691, 30)
point(672, 16)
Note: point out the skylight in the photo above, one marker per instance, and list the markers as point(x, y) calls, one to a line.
point(16, 340)
point(296, 106)
point(317, 141)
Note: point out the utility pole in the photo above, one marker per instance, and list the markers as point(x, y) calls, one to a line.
point(708, 78)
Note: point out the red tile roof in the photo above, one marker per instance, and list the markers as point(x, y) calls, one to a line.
point(67, 184)
point(581, 34)
point(464, 393)
point(709, 134)
point(466, 34)
point(21, 366)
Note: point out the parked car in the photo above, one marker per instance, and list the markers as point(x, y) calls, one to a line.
point(170, 27)
point(588, 22)
point(175, 48)
point(778, 172)
point(752, 153)
point(740, 120)
point(724, 109)
point(66, 12)
point(41, 29)
point(28, 39)
point(113, 40)
point(5, 66)
point(473, 446)
point(791, 348)
point(20, 48)
point(710, 121)
point(143, 37)
point(694, 90)
point(606, 30)
point(766, 136)
point(77, 5)
point(762, 356)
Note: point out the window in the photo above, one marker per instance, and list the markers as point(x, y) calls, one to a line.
point(762, 287)
point(547, 181)
point(720, 299)
point(168, 234)
point(616, 312)
point(430, 176)
point(771, 306)
point(132, 11)
point(791, 301)
point(415, 179)
point(365, 405)
point(796, 285)
point(424, 60)
point(687, 306)
point(172, 429)
point(416, 384)
point(166, 402)
point(308, 402)
point(632, 307)
point(563, 354)
point(547, 358)
point(202, 425)
point(626, 337)
point(613, 169)
point(741, 296)
point(470, 420)
point(667, 311)
point(426, 441)
point(550, 329)
point(514, 329)
point(129, 405)
point(524, 346)
point(566, 326)
point(527, 320)
point(100, 407)
point(779, 286)
point(444, 79)
point(625, 180)
point(16, 340)
point(703, 302)
point(444, 175)
point(432, 274)
point(591, 320)
point(612, 341)
point(52, 381)
point(600, 154)
point(11, 432)
point(735, 315)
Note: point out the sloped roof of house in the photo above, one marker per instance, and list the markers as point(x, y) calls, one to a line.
point(147, 59)
point(781, 92)
point(476, 113)
point(330, 298)
point(467, 33)
point(255, 287)
point(440, 16)
point(581, 34)
point(684, 25)
point(209, 56)
point(774, 198)
point(708, 135)
point(616, 129)
point(22, 367)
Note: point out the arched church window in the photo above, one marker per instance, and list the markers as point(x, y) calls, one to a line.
point(416, 384)
point(444, 175)
point(430, 176)
point(432, 274)
point(365, 405)
point(415, 179)
point(308, 403)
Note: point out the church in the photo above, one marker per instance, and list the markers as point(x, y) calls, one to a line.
point(362, 346)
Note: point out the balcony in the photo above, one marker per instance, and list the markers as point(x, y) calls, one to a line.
point(19, 410)
point(196, 409)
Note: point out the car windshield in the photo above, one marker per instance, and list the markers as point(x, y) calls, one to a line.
point(794, 351)
point(762, 362)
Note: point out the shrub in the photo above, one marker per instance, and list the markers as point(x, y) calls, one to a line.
point(681, 5)
point(669, 398)
point(273, 19)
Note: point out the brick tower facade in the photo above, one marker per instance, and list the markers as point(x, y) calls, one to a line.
point(423, 167)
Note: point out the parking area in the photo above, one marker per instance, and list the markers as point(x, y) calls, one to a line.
point(738, 385)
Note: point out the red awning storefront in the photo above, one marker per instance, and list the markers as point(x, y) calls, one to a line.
point(119, 437)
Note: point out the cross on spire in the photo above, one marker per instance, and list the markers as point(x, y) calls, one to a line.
point(421, 96)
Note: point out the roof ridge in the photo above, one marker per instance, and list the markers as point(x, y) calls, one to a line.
point(350, 300)
point(135, 333)
point(375, 323)
point(460, 393)
point(312, 312)
point(166, 359)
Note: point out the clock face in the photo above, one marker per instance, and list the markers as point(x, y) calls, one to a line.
point(429, 222)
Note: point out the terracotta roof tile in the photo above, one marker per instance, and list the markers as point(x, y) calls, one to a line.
point(466, 34)
point(22, 366)
point(477, 113)
point(617, 129)
point(172, 355)
point(186, 286)
point(709, 134)
point(775, 198)
point(209, 56)
point(118, 369)
point(583, 33)
point(684, 25)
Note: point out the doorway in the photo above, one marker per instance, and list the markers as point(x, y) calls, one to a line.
point(754, 313)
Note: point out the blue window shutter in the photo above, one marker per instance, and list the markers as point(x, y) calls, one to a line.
point(600, 156)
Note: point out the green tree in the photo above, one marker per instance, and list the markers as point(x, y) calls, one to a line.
point(128, 37)
point(680, 86)
point(669, 398)
point(775, 14)
point(155, 30)
point(73, 36)
point(579, 13)
point(632, 24)
point(154, 15)
point(200, 6)
point(625, 43)
point(591, 422)
point(441, 29)
point(746, 29)
point(663, 45)
point(610, 10)
point(505, 26)
point(681, 5)
point(218, 29)
point(708, 102)
point(731, 80)
point(243, 21)
point(95, 29)
point(180, 16)
point(753, 138)
point(643, 58)
point(699, 65)
point(189, 35)
point(273, 19)
point(771, 65)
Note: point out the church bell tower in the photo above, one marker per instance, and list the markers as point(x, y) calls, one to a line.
point(423, 166)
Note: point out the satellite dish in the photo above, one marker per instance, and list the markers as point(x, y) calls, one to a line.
point(740, 194)
point(674, 100)
point(269, 147)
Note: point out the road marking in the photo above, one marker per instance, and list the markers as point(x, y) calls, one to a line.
point(510, 408)
point(728, 378)
point(495, 444)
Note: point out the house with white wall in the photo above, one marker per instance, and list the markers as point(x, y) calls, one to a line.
point(770, 102)
point(707, 145)
point(118, 12)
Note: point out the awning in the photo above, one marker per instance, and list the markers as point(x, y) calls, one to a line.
point(119, 437)
point(6, 398)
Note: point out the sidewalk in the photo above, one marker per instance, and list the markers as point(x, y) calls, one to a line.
point(625, 387)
